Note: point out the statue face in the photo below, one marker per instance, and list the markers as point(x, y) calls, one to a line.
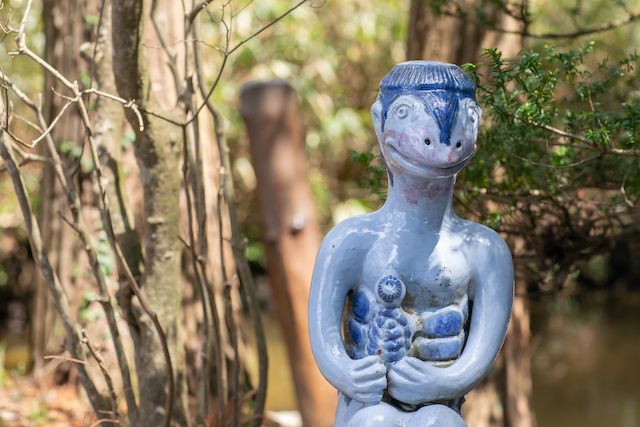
point(410, 141)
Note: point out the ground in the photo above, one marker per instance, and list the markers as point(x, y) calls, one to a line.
point(25, 403)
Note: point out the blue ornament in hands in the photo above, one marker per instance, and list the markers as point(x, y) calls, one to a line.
point(389, 333)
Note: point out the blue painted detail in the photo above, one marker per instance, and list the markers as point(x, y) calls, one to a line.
point(438, 348)
point(357, 332)
point(389, 357)
point(347, 399)
point(384, 162)
point(402, 320)
point(379, 321)
point(361, 307)
point(464, 304)
point(394, 333)
point(350, 350)
point(392, 345)
point(387, 337)
point(444, 323)
point(389, 334)
point(372, 347)
point(439, 86)
point(389, 290)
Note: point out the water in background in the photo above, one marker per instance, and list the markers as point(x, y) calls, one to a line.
point(586, 363)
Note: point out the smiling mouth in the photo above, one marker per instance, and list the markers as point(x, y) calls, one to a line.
point(393, 151)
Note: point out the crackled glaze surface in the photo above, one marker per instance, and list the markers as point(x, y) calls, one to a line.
point(409, 305)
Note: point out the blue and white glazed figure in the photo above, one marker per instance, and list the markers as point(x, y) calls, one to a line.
point(410, 305)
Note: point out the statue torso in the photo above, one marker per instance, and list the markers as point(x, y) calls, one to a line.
point(436, 274)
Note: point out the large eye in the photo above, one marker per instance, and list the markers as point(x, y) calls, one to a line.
point(402, 112)
point(473, 114)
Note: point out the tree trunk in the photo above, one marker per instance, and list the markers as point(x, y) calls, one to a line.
point(158, 146)
point(456, 40)
point(451, 39)
point(517, 388)
point(290, 233)
point(64, 33)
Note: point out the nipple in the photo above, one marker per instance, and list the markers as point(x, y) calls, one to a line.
point(390, 291)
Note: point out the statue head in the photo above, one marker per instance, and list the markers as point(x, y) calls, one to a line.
point(426, 119)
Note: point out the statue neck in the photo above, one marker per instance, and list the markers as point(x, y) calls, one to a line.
point(422, 202)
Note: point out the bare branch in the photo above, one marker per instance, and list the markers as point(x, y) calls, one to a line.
point(630, 18)
point(52, 125)
point(20, 36)
point(68, 359)
point(202, 410)
point(42, 260)
point(571, 165)
point(236, 47)
point(27, 121)
point(194, 12)
point(28, 158)
point(173, 63)
point(127, 104)
point(112, 393)
point(587, 145)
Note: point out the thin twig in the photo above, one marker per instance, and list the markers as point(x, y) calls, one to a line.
point(106, 217)
point(127, 104)
point(630, 18)
point(587, 144)
point(42, 260)
point(68, 359)
point(107, 377)
point(52, 125)
point(230, 314)
point(97, 423)
point(544, 165)
point(236, 47)
point(78, 225)
point(194, 12)
point(28, 158)
point(204, 373)
point(551, 129)
point(20, 36)
point(173, 65)
point(624, 192)
point(27, 121)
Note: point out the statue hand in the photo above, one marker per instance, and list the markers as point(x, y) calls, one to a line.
point(365, 379)
point(414, 381)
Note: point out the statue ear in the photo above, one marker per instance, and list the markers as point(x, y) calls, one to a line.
point(376, 116)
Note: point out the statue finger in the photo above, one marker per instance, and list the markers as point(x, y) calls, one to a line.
point(373, 372)
point(367, 363)
point(402, 376)
point(368, 398)
point(373, 386)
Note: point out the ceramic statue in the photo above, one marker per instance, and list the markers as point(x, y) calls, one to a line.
point(410, 305)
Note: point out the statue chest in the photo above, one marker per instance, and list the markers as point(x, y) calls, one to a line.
point(435, 275)
point(429, 318)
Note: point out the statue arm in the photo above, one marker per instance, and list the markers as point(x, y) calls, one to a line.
point(414, 381)
point(338, 268)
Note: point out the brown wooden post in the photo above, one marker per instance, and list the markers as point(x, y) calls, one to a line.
point(290, 233)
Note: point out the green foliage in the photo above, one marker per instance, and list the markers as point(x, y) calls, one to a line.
point(75, 153)
point(374, 177)
point(334, 56)
point(552, 125)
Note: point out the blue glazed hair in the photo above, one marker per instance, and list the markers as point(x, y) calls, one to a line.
point(440, 86)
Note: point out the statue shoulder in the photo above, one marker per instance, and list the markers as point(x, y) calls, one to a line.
point(351, 234)
point(484, 243)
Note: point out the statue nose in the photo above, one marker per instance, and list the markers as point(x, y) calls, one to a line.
point(459, 144)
